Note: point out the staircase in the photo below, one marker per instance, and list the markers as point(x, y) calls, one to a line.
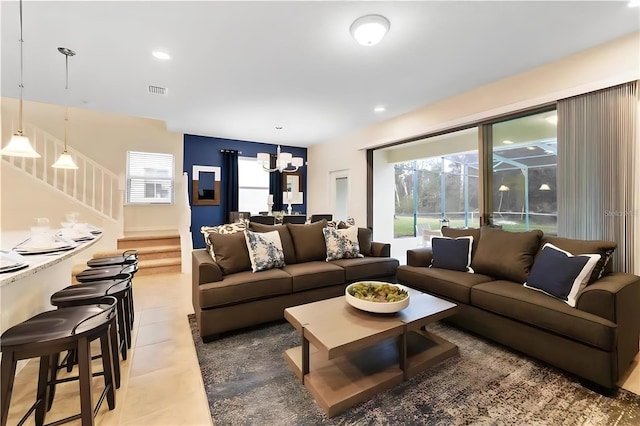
point(91, 185)
point(157, 253)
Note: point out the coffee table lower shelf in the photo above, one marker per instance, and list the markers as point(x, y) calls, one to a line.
point(339, 384)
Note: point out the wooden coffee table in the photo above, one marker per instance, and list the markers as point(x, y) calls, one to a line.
point(348, 355)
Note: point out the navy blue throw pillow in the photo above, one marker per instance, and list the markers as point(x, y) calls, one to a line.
point(560, 274)
point(452, 253)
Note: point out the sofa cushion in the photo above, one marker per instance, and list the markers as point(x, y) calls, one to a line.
point(560, 274)
point(341, 243)
point(308, 241)
point(453, 285)
point(506, 255)
point(316, 274)
point(452, 253)
point(285, 239)
point(231, 252)
point(265, 250)
point(243, 287)
point(365, 238)
point(229, 228)
point(466, 232)
point(367, 267)
point(514, 301)
point(604, 248)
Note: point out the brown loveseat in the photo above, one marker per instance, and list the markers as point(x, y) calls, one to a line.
point(597, 340)
point(227, 295)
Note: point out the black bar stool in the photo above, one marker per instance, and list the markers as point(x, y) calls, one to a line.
point(46, 335)
point(90, 293)
point(126, 258)
point(111, 272)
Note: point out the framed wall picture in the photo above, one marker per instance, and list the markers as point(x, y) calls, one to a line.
point(205, 182)
point(292, 188)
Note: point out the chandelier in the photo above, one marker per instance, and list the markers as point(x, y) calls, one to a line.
point(285, 162)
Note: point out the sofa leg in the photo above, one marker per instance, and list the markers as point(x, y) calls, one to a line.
point(210, 338)
point(602, 390)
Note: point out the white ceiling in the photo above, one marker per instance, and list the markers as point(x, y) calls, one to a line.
point(239, 69)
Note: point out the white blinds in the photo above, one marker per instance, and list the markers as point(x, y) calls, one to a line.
point(149, 178)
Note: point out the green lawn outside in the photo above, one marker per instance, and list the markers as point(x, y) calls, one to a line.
point(403, 225)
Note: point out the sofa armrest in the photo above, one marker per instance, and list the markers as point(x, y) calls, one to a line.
point(204, 269)
point(380, 249)
point(419, 257)
point(612, 297)
point(616, 297)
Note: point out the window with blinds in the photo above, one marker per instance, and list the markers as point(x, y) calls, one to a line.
point(149, 178)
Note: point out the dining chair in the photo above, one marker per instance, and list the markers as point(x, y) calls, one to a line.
point(297, 218)
point(265, 220)
point(319, 217)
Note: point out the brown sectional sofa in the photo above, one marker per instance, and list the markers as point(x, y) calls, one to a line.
point(597, 340)
point(227, 295)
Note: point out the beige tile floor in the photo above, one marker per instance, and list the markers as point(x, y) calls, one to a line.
point(161, 381)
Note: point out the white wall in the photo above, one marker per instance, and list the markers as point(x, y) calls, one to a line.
point(611, 63)
point(105, 138)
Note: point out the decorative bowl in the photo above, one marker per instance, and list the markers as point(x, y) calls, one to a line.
point(376, 307)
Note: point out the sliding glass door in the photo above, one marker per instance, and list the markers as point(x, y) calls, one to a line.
point(523, 176)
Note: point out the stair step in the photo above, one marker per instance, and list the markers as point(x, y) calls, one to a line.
point(141, 241)
point(147, 253)
point(159, 266)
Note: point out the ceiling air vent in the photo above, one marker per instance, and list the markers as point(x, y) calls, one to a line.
point(157, 90)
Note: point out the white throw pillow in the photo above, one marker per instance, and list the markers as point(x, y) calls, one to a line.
point(265, 250)
point(342, 243)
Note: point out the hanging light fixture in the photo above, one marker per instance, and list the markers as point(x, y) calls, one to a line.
point(65, 161)
point(285, 162)
point(19, 145)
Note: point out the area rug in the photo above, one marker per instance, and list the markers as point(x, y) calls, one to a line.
point(248, 382)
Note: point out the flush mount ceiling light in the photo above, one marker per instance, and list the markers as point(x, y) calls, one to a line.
point(19, 145)
point(161, 55)
point(379, 109)
point(65, 161)
point(369, 30)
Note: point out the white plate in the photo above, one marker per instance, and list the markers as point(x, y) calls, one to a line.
point(52, 247)
point(377, 307)
point(12, 268)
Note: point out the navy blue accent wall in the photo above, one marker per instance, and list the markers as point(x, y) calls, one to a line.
point(205, 151)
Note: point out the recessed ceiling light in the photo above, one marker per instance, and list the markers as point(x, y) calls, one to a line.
point(369, 30)
point(531, 148)
point(279, 127)
point(634, 3)
point(507, 142)
point(161, 55)
point(379, 109)
point(552, 119)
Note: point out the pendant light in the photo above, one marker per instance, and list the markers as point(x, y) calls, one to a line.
point(65, 161)
point(19, 145)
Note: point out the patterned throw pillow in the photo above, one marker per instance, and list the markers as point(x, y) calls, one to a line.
point(229, 228)
point(265, 250)
point(342, 243)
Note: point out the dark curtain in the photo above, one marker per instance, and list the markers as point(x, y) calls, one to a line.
point(229, 181)
point(275, 186)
